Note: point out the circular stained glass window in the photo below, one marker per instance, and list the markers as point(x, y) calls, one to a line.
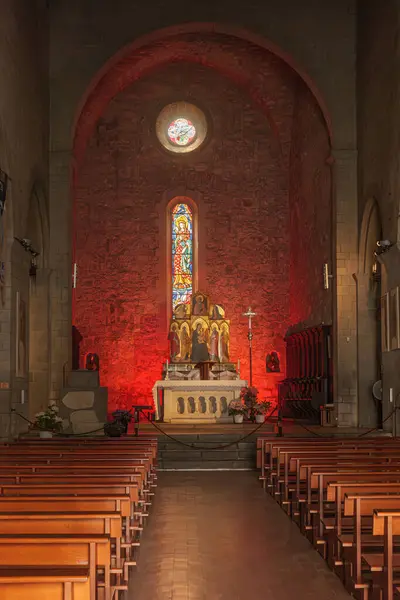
point(182, 132)
point(181, 127)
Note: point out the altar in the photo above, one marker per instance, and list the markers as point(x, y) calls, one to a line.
point(198, 381)
point(195, 401)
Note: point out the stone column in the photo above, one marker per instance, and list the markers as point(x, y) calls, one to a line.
point(367, 351)
point(345, 306)
point(60, 259)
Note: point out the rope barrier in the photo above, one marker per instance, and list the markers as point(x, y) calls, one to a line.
point(220, 447)
point(56, 433)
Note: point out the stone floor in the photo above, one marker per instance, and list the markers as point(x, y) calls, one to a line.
point(217, 536)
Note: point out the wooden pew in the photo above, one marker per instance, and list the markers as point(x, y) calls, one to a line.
point(57, 583)
point(385, 567)
point(94, 551)
point(357, 542)
point(69, 481)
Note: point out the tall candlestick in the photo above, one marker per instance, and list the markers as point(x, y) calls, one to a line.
point(250, 314)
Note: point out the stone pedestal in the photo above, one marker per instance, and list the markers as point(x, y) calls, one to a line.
point(195, 401)
point(84, 403)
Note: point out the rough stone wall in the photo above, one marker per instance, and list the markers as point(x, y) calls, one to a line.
point(124, 185)
point(23, 155)
point(379, 152)
point(310, 215)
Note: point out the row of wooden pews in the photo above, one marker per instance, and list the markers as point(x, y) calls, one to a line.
point(71, 515)
point(344, 494)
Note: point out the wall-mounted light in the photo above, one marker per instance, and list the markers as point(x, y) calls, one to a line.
point(27, 246)
point(383, 246)
point(327, 276)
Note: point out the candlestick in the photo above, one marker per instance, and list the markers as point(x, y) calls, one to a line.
point(250, 314)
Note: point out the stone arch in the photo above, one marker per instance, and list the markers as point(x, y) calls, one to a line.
point(37, 230)
point(369, 282)
point(132, 62)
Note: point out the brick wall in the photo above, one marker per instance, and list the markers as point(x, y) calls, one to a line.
point(122, 192)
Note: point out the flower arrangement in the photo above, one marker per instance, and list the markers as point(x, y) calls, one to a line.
point(237, 407)
point(249, 395)
point(48, 420)
point(261, 408)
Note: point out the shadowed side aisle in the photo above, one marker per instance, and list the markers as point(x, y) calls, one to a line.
point(217, 536)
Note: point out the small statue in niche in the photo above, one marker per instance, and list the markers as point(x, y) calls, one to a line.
point(214, 343)
point(92, 362)
point(272, 363)
point(174, 342)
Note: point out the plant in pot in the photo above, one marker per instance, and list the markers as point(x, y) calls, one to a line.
point(48, 421)
point(248, 396)
point(260, 409)
point(119, 425)
point(238, 410)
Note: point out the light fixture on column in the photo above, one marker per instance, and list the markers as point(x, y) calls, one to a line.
point(27, 246)
point(327, 276)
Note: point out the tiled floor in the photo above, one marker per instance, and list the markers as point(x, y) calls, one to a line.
point(217, 536)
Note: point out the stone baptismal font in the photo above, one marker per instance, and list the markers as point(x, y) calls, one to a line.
point(199, 380)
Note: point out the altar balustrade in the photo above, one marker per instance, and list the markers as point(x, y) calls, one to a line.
point(195, 401)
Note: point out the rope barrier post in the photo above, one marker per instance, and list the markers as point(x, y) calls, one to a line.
point(136, 416)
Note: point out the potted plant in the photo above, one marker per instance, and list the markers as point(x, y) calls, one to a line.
point(113, 429)
point(238, 410)
point(119, 425)
point(260, 410)
point(123, 417)
point(248, 396)
point(48, 421)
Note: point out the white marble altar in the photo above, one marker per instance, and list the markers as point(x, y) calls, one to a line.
point(195, 401)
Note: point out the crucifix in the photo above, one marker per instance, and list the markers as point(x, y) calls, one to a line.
point(250, 314)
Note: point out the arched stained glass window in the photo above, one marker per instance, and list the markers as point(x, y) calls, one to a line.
point(182, 254)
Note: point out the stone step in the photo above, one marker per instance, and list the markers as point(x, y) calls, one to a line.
point(212, 465)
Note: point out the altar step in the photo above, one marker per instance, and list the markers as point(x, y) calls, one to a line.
point(206, 453)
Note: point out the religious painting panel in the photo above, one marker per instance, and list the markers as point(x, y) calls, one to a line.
point(385, 322)
point(181, 311)
point(21, 342)
point(182, 255)
point(224, 343)
point(200, 339)
point(394, 318)
point(185, 342)
point(174, 343)
point(214, 342)
point(217, 312)
point(199, 305)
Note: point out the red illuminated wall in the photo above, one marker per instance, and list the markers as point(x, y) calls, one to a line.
point(240, 182)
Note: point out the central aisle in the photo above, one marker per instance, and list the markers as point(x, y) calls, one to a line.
point(217, 536)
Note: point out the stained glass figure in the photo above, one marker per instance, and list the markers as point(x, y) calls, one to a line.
point(182, 254)
point(181, 132)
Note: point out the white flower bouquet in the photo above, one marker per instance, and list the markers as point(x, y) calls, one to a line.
point(48, 420)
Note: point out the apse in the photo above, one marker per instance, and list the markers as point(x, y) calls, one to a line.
point(230, 132)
